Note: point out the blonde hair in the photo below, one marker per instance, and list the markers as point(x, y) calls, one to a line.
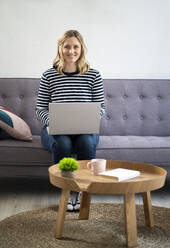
point(82, 64)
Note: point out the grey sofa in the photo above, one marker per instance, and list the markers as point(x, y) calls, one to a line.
point(136, 126)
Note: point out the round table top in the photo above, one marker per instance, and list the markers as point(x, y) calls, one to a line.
point(151, 178)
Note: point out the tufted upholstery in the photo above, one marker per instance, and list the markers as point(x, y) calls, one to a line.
point(136, 126)
point(133, 107)
point(137, 107)
point(19, 95)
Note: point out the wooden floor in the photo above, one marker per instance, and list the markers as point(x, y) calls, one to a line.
point(17, 195)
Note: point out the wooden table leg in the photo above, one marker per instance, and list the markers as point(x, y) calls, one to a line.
point(85, 206)
point(130, 220)
point(148, 209)
point(62, 212)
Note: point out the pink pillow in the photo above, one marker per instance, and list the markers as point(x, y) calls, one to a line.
point(14, 125)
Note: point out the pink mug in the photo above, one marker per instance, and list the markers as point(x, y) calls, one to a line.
point(97, 165)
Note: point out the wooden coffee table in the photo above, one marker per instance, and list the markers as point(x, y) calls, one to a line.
point(152, 178)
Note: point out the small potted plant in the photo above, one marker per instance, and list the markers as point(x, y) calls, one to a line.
point(68, 166)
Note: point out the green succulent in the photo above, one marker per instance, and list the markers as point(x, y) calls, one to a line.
point(68, 164)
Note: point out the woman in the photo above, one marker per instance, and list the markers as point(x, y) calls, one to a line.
point(70, 80)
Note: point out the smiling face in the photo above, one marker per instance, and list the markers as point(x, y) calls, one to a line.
point(71, 50)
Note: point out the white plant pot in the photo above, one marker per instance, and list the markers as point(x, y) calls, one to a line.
point(70, 174)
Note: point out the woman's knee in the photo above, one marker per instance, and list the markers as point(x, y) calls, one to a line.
point(87, 141)
point(64, 142)
point(85, 146)
point(62, 147)
point(46, 139)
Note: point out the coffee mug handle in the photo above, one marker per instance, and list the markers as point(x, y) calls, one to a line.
point(89, 165)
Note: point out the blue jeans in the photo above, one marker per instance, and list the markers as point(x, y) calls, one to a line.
point(61, 146)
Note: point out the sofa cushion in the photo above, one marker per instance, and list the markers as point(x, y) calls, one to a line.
point(13, 125)
point(147, 149)
point(22, 153)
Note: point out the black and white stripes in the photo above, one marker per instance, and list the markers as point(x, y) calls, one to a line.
point(55, 87)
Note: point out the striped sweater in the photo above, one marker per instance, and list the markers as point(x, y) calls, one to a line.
point(70, 87)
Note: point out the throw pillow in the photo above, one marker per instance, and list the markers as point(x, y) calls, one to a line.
point(13, 125)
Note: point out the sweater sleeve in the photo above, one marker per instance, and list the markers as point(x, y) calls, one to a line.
point(43, 99)
point(98, 92)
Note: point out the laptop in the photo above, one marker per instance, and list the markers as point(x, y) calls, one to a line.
point(74, 118)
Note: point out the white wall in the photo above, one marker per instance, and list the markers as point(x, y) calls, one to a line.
point(125, 38)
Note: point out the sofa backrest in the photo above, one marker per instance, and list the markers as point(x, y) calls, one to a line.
point(136, 107)
point(133, 106)
point(20, 95)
